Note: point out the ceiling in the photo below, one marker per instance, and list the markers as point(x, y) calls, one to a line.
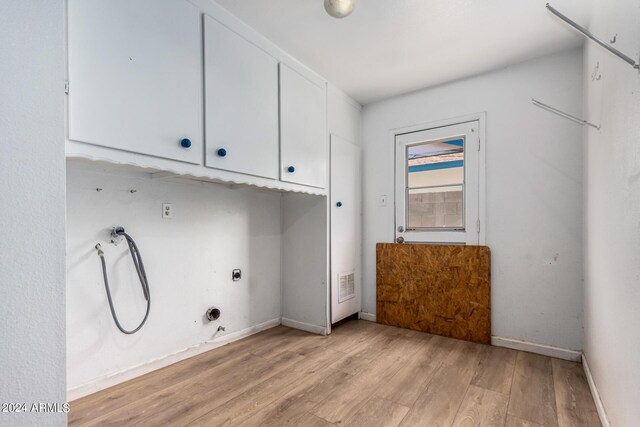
point(389, 47)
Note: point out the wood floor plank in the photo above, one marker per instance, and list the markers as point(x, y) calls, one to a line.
point(103, 402)
point(301, 398)
point(351, 363)
point(437, 349)
point(461, 353)
point(519, 422)
point(379, 342)
point(218, 392)
point(378, 412)
point(482, 407)
point(147, 405)
point(308, 420)
point(245, 343)
point(495, 369)
point(409, 382)
point(388, 341)
point(573, 398)
point(320, 391)
point(245, 405)
point(118, 396)
point(532, 391)
point(439, 403)
point(346, 338)
point(343, 402)
point(404, 349)
point(236, 410)
point(412, 333)
point(84, 412)
point(288, 341)
point(185, 403)
point(362, 374)
point(414, 376)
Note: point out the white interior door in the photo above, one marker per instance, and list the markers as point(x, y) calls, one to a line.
point(241, 98)
point(135, 76)
point(437, 185)
point(303, 130)
point(345, 229)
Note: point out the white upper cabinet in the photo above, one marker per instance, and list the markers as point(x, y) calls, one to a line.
point(135, 76)
point(303, 132)
point(241, 98)
point(149, 80)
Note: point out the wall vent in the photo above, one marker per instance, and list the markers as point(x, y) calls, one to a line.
point(347, 286)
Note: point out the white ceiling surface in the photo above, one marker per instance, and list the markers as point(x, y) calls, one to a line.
point(389, 47)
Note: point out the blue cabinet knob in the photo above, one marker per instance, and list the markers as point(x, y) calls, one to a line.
point(186, 143)
point(291, 169)
point(339, 204)
point(222, 152)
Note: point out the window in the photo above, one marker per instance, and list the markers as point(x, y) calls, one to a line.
point(437, 184)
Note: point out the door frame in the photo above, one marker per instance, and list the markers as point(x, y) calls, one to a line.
point(481, 118)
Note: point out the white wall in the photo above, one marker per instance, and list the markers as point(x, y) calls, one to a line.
point(32, 359)
point(612, 213)
point(344, 115)
point(534, 190)
point(189, 260)
point(304, 262)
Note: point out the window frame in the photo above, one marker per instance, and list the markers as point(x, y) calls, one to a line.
point(475, 229)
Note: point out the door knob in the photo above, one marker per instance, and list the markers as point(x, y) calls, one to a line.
point(400, 239)
point(222, 152)
point(185, 143)
point(291, 169)
point(339, 204)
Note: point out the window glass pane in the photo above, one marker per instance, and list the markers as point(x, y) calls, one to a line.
point(435, 185)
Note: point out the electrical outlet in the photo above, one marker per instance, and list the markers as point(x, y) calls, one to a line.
point(167, 210)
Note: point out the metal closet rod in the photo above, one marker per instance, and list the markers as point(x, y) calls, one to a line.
point(563, 114)
point(588, 34)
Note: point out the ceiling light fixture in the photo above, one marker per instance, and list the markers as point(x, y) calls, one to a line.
point(339, 8)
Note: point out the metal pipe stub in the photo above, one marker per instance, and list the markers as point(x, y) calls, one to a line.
point(213, 314)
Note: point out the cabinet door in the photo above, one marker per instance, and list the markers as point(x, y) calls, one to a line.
point(345, 229)
point(135, 79)
point(241, 96)
point(303, 137)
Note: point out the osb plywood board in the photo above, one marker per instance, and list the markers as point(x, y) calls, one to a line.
point(439, 289)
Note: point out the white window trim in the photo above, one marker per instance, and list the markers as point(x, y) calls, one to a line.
point(481, 118)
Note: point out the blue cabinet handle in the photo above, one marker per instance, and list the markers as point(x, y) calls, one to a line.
point(222, 152)
point(186, 143)
point(291, 169)
point(339, 204)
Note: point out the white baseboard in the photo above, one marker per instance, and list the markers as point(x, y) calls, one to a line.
point(602, 414)
point(110, 380)
point(545, 350)
point(314, 329)
point(371, 317)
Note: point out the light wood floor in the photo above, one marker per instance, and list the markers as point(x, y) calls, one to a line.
point(363, 374)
